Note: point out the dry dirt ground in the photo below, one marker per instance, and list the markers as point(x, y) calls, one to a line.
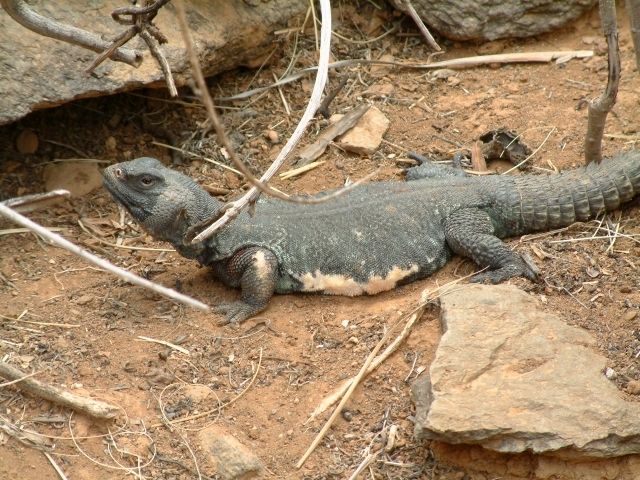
point(303, 346)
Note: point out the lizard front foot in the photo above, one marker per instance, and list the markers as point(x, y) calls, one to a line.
point(236, 312)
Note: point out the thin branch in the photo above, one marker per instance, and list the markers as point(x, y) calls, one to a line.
point(86, 405)
point(124, 274)
point(312, 151)
point(421, 26)
point(464, 62)
point(633, 10)
point(600, 107)
point(321, 79)
point(154, 48)
point(47, 27)
point(29, 203)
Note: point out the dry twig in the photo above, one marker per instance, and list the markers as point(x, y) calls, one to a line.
point(26, 17)
point(231, 210)
point(354, 383)
point(141, 23)
point(165, 343)
point(633, 11)
point(29, 203)
point(600, 107)
point(309, 153)
point(86, 405)
point(465, 62)
point(124, 274)
point(421, 26)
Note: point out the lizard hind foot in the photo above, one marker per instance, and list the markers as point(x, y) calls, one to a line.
point(523, 268)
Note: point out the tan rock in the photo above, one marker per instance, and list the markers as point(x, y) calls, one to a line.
point(231, 459)
point(513, 378)
point(80, 178)
point(365, 137)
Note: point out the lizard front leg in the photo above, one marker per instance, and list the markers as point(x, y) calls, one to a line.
point(469, 232)
point(254, 270)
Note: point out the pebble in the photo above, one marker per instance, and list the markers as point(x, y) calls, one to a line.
point(629, 315)
point(27, 142)
point(633, 387)
point(84, 299)
point(273, 136)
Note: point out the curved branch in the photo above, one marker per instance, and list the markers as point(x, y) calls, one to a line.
point(47, 27)
point(601, 106)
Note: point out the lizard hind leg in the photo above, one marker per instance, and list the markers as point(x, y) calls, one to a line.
point(469, 232)
point(254, 269)
point(428, 169)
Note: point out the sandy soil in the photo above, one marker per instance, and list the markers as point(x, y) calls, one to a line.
point(303, 346)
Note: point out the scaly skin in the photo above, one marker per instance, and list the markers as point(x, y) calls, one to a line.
point(379, 235)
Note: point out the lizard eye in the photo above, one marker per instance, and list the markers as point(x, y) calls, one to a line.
point(147, 180)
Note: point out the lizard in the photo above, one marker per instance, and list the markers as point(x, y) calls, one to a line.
point(377, 236)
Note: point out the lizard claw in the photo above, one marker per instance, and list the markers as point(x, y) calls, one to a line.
point(235, 312)
point(522, 268)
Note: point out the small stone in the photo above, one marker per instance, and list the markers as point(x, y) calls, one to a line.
point(27, 142)
point(273, 136)
point(347, 415)
point(114, 121)
point(443, 73)
point(366, 136)
point(629, 315)
point(633, 387)
point(84, 299)
point(353, 340)
point(231, 459)
point(110, 144)
point(610, 373)
point(80, 178)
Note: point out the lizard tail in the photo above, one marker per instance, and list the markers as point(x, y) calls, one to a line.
point(554, 201)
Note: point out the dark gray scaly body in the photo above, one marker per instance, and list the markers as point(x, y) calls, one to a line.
point(377, 236)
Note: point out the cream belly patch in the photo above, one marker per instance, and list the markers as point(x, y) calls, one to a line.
point(335, 284)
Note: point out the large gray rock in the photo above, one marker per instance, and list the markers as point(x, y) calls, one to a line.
point(512, 378)
point(38, 72)
point(494, 19)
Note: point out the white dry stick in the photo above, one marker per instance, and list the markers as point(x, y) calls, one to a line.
point(312, 107)
point(120, 272)
point(55, 466)
point(354, 383)
point(165, 343)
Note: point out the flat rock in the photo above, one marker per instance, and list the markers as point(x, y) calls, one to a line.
point(39, 72)
point(512, 378)
point(231, 459)
point(80, 178)
point(365, 137)
point(494, 19)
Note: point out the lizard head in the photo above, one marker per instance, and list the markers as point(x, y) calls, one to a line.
point(165, 202)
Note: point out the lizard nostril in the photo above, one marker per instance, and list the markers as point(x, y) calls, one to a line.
point(118, 173)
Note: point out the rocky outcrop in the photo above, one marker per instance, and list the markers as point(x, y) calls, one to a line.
point(494, 19)
point(512, 378)
point(38, 72)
